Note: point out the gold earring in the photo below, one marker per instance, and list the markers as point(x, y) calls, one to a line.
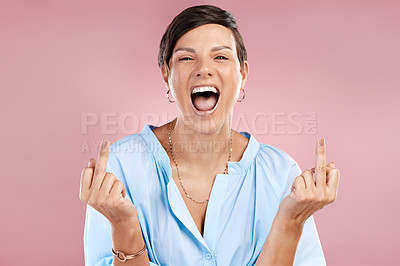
point(244, 95)
point(168, 97)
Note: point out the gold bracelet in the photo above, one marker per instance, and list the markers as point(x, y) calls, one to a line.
point(127, 257)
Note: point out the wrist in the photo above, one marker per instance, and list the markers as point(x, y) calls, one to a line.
point(131, 226)
point(128, 241)
point(287, 225)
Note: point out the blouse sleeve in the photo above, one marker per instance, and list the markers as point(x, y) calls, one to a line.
point(309, 250)
point(97, 232)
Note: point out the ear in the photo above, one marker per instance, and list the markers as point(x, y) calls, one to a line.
point(245, 72)
point(165, 74)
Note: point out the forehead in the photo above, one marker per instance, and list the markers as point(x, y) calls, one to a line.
point(209, 35)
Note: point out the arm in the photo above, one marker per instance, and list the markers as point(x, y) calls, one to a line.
point(100, 237)
point(293, 237)
point(128, 239)
point(111, 219)
point(281, 244)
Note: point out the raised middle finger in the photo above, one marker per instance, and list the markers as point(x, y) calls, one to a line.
point(100, 169)
point(320, 163)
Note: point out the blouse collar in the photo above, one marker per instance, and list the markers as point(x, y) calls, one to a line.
point(234, 168)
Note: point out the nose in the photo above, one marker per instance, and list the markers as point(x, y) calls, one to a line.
point(204, 69)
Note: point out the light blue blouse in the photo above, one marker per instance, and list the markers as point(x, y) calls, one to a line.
point(240, 211)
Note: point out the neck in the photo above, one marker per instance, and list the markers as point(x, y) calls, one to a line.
point(201, 148)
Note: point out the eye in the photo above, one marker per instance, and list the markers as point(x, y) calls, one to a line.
point(184, 59)
point(221, 57)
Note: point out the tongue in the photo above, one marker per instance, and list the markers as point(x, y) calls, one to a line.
point(205, 103)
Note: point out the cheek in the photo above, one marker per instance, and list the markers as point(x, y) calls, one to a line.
point(174, 80)
point(178, 84)
point(233, 79)
point(234, 83)
point(179, 76)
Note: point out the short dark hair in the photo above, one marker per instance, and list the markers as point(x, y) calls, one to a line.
point(194, 17)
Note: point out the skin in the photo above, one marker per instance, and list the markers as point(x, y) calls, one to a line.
point(207, 55)
point(311, 191)
point(106, 194)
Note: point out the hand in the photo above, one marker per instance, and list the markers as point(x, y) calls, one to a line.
point(308, 195)
point(105, 193)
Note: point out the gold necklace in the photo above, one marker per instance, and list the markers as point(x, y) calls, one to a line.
point(177, 168)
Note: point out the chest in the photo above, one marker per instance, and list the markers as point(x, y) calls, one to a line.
point(198, 213)
point(195, 194)
point(232, 227)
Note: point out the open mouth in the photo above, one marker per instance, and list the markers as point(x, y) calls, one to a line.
point(205, 98)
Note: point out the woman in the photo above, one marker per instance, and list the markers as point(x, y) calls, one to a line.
point(194, 191)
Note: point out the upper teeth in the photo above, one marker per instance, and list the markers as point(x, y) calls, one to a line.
point(203, 89)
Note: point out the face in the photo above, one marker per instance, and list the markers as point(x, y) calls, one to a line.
point(205, 77)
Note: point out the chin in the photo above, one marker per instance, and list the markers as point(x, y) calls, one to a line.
point(211, 123)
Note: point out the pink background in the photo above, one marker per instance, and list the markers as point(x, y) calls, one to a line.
point(61, 60)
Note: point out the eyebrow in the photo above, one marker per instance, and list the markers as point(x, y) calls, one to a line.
point(220, 48)
point(214, 49)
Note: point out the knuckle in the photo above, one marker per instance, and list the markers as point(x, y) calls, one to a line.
point(109, 177)
point(307, 172)
point(323, 194)
point(102, 152)
point(311, 199)
point(318, 198)
point(118, 183)
point(321, 150)
point(99, 170)
point(301, 198)
point(114, 202)
point(298, 179)
point(335, 171)
point(321, 168)
point(86, 170)
point(322, 199)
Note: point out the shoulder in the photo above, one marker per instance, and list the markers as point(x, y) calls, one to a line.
point(138, 144)
point(276, 167)
point(130, 153)
point(126, 143)
point(132, 160)
point(274, 157)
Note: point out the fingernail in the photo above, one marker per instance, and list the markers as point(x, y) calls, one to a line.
point(333, 164)
point(88, 163)
point(104, 144)
point(321, 142)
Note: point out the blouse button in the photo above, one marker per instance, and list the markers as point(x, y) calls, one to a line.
point(208, 256)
